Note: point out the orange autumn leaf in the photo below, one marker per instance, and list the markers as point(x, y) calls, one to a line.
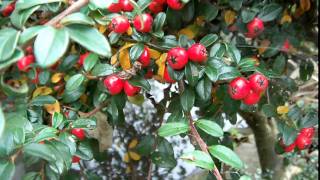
point(52, 108)
point(42, 91)
point(161, 62)
point(229, 17)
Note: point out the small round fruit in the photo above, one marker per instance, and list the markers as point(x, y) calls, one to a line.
point(29, 50)
point(161, 1)
point(198, 53)
point(114, 84)
point(255, 27)
point(126, 5)
point(155, 7)
point(175, 4)
point(79, 133)
point(239, 88)
point(258, 82)
point(75, 159)
point(8, 10)
point(286, 46)
point(167, 77)
point(25, 62)
point(82, 58)
point(288, 148)
point(147, 21)
point(308, 132)
point(252, 98)
point(303, 142)
point(131, 90)
point(144, 59)
point(149, 74)
point(114, 8)
point(120, 24)
point(177, 58)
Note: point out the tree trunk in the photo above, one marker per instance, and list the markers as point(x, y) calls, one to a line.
point(265, 132)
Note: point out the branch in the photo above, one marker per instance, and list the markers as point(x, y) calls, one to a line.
point(75, 7)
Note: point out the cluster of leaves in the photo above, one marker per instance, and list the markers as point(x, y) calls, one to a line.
point(47, 109)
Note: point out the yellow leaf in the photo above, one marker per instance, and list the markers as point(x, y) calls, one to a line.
point(134, 156)
point(190, 31)
point(124, 58)
point(57, 77)
point(129, 31)
point(263, 46)
point(83, 98)
point(73, 49)
point(282, 109)
point(126, 158)
point(161, 62)
point(126, 46)
point(114, 59)
point(286, 19)
point(128, 170)
point(133, 143)
point(137, 99)
point(102, 29)
point(154, 54)
point(305, 5)
point(200, 20)
point(52, 108)
point(43, 91)
point(229, 17)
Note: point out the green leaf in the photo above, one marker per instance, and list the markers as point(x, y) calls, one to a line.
point(309, 120)
point(90, 62)
point(145, 145)
point(269, 110)
point(247, 15)
point(102, 70)
point(164, 154)
point(32, 176)
point(306, 70)
point(8, 42)
point(42, 151)
point(7, 169)
point(13, 91)
point(236, 4)
point(77, 18)
point(187, 99)
point(234, 53)
point(192, 74)
point(84, 123)
point(84, 151)
point(25, 4)
point(199, 158)
point(18, 54)
point(247, 65)
point(90, 38)
point(2, 122)
point(57, 120)
point(71, 96)
point(75, 82)
point(279, 64)
point(226, 155)
point(30, 33)
point(209, 39)
point(210, 127)
point(270, 12)
point(159, 21)
point(101, 4)
point(212, 73)
point(19, 18)
point(42, 100)
point(50, 45)
point(44, 134)
point(136, 51)
point(208, 10)
point(204, 88)
point(172, 129)
point(140, 82)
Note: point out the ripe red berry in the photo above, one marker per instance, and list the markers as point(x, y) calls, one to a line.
point(177, 58)
point(79, 133)
point(75, 159)
point(252, 98)
point(155, 7)
point(35, 80)
point(25, 62)
point(255, 27)
point(161, 1)
point(82, 58)
point(288, 148)
point(114, 8)
point(149, 74)
point(120, 24)
point(167, 77)
point(29, 50)
point(131, 90)
point(175, 4)
point(308, 132)
point(147, 21)
point(198, 53)
point(145, 58)
point(8, 10)
point(303, 141)
point(114, 84)
point(258, 82)
point(126, 5)
point(239, 88)
point(286, 46)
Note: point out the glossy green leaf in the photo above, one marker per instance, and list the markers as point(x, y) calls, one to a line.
point(44, 134)
point(226, 155)
point(2, 122)
point(208, 40)
point(8, 42)
point(75, 82)
point(30, 33)
point(42, 100)
point(7, 169)
point(84, 123)
point(270, 12)
point(25, 4)
point(102, 70)
point(172, 129)
point(210, 127)
point(198, 158)
point(203, 89)
point(90, 62)
point(187, 99)
point(77, 18)
point(19, 18)
point(18, 54)
point(57, 120)
point(42, 151)
point(159, 21)
point(136, 51)
point(140, 82)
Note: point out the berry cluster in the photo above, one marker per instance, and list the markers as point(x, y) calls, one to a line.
point(115, 85)
point(25, 62)
point(157, 6)
point(143, 23)
point(303, 140)
point(248, 90)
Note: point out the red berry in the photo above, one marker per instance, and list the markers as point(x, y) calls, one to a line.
point(286, 46)
point(131, 90)
point(8, 10)
point(155, 7)
point(25, 62)
point(167, 77)
point(149, 74)
point(308, 132)
point(161, 1)
point(198, 53)
point(147, 21)
point(29, 50)
point(36, 78)
point(82, 58)
point(75, 159)
point(258, 82)
point(239, 88)
point(79, 133)
point(114, 7)
point(114, 84)
point(255, 27)
point(175, 4)
point(303, 141)
point(126, 5)
point(145, 58)
point(288, 148)
point(177, 58)
point(252, 98)
point(120, 24)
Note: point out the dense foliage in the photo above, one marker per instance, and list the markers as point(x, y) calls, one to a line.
point(68, 68)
